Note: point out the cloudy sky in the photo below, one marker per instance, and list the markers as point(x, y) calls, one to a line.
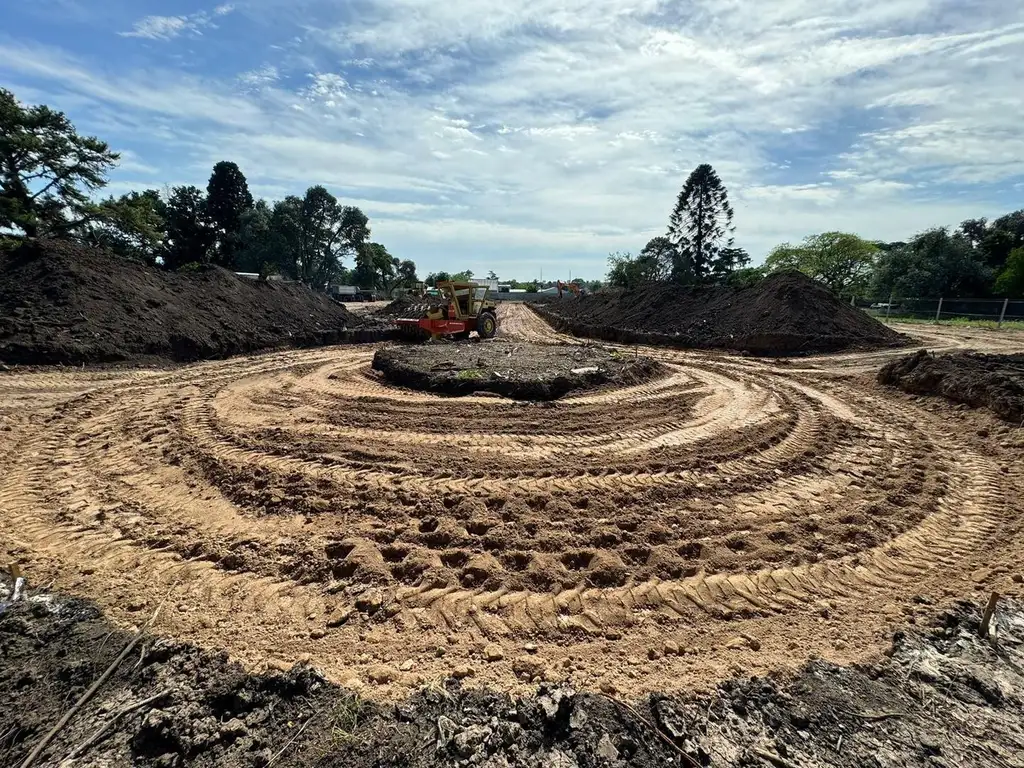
point(521, 136)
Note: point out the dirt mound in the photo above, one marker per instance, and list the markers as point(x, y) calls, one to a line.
point(995, 382)
point(786, 314)
point(61, 303)
point(403, 306)
point(171, 704)
point(515, 369)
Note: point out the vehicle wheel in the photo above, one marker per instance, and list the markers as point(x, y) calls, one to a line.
point(487, 325)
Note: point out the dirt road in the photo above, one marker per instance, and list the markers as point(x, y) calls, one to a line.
point(756, 513)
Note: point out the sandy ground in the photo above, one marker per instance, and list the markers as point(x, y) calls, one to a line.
point(756, 513)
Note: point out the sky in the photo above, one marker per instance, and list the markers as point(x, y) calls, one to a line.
point(537, 137)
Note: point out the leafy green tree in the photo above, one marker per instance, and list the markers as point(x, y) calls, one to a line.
point(627, 271)
point(728, 262)
point(131, 226)
point(191, 233)
point(933, 264)
point(47, 170)
point(328, 233)
point(464, 276)
point(745, 277)
point(227, 200)
point(1010, 282)
point(843, 262)
point(255, 236)
point(437, 277)
point(407, 273)
point(659, 257)
point(700, 226)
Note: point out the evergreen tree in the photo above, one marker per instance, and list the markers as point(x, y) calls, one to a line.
point(47, 170)
point(227, 200)
point(700, 227)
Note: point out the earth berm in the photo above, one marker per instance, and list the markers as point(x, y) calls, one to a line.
point(787, 313)
point(61, 303)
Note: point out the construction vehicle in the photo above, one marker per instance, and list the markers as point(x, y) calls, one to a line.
point(573, 288)
point(468, 309)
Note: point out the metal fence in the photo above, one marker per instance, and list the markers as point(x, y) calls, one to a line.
point(996, 311)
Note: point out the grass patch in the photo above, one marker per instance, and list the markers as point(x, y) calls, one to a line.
point(470, 374)
point(962, 322)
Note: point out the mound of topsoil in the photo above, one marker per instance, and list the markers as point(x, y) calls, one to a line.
point(408, 306)
point(787, 313)
point(514, 369)
point(992, 381)
point(169, 704)
point(68, 304)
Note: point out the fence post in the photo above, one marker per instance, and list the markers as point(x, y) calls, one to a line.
point(887, 308)
point(938, 311)
point(1003, 313)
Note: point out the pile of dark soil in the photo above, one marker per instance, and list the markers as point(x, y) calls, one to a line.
point(515, 369)
point(995, 382)
point(786, 314)
point(407, 306)
point(61, 303)
point(943, 697)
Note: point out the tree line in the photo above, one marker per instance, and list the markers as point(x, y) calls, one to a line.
point(49, 174)
point(978, 259)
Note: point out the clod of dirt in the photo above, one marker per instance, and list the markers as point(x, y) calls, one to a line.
point(787, 313)
point(515, 369)
point(61, 303)
point(995, 382)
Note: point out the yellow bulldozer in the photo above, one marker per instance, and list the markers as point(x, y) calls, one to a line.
point(468, 309)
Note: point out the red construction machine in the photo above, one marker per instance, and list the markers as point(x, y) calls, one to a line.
point(468, 309)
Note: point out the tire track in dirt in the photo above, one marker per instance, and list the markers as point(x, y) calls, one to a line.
point(276, 491)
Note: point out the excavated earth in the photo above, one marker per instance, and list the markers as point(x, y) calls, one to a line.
point(787, 313)
point(61, 303)
point(940, 696)
point(995, 382)
point(510, 367)
point(753, 513)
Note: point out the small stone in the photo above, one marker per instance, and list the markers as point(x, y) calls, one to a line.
point(930, 744)
point(460, 673)
point(370, 602)
point(439, 651)
point(653, 654)
point(530, 647)
point(493, 652)
point(607, 686)
point(606, 749)
point(382, 675)
point(339, 617)
point(612, 634)
point(233, 728)
point(407, 665)
point(279, 664)
point(753, 642)
point(671, 648)
point(1017, 578)
point(470, 741)
point(316, 634)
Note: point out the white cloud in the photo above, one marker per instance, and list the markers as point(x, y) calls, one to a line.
point(567, 126)
point(169, 27)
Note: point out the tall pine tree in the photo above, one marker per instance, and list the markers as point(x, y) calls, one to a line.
point(701, 227)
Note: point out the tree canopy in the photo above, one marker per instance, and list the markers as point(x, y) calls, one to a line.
point(227, 201)
point(47, 170)
point(842, 261)
point(934, 263)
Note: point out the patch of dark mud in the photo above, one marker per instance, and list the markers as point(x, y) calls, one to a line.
point(513, 369)
point(787, 313)
point(995, 382)
point(66, 304)
point(941, 697)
